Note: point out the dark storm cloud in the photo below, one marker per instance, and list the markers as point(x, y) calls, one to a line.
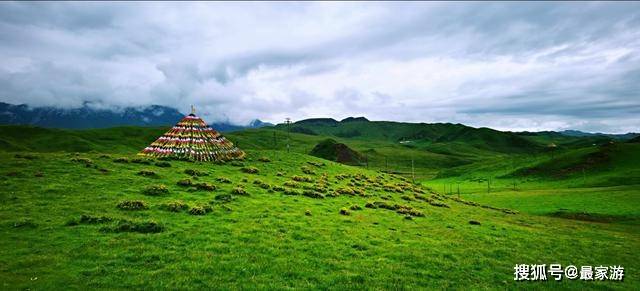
point(530, 66)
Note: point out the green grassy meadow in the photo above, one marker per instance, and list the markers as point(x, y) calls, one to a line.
point(79, 209)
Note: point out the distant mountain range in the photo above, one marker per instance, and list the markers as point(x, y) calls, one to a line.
point(155, 115)
point(87, 117)
point(578, 133)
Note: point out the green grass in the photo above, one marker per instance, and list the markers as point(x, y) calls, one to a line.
point(212, 235)
point(266, 239)
point(615, 204)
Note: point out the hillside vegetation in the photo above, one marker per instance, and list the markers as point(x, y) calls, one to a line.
point(439, 209)
point(276, 220)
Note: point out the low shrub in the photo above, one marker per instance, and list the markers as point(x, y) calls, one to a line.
point(307, 170)
point(132, 205)
point(292, 192)
point(313, 194)
point(223, 180)
point(149, 226)
point(200, 210)
point(320, 188)
point(250, 170)
point(174, 206)
point(155, 190)
point(264, 159)
point(302, 179)
point(292, 184)
point(278, 188)
point(205, 186)
point(438, 204)
point(345, 191)
point(307, 212)
point(122, 160)
point(262, 184)
point(392, 188)
point(163, 164)
point(280, 174)
point(407, 210)
point(147, 173)
point(474, 222)
point(370, 205)
point(184, 182)
point(239, 191)
point(384, 205)
point(406, 197)
point(344, 211)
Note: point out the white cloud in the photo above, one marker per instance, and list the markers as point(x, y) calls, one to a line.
point(529, 66)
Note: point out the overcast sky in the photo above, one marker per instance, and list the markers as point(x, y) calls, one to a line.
point(510, 66)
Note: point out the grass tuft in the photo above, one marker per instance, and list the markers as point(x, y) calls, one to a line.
point(174, 206)
point(132, 205)
point(147, 173)
point(250, 170)
point(155, 190)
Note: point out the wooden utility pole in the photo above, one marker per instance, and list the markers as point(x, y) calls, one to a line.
point(288, 122)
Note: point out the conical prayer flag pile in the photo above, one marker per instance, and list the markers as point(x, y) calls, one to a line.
point(193, 139)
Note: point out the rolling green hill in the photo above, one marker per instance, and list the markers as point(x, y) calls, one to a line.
point(114, 221)
point(331, 150)
point(116, 139)
point(411, 133)
point(80, 204)
point(457, 151)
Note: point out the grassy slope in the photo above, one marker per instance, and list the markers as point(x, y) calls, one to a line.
point(436, 133)
point(607, 190)
point(266, 240)
point(117, 139)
